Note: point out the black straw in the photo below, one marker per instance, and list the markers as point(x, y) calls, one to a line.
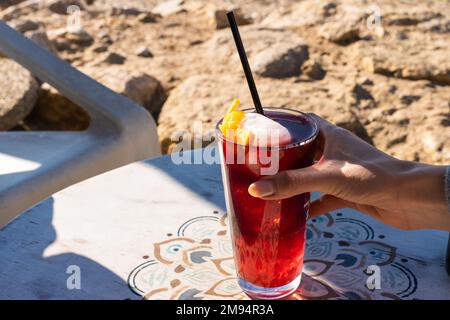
point(244, 61)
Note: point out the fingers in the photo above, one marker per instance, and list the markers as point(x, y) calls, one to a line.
point(288, 183)
point(326, 204)
point(292, 182)
point(326, 138)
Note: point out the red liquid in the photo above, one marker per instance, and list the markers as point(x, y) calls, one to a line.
point(269, 236)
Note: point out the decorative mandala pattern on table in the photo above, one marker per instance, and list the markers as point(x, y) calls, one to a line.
point(196, 262)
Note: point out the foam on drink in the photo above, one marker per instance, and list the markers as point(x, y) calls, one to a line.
point(253, 128)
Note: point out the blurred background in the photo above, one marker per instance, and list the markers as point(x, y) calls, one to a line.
point(378, 68)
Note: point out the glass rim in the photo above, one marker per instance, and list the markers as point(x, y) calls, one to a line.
point(307, 140)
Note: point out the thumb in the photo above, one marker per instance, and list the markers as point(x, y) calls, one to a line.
point(289, 183)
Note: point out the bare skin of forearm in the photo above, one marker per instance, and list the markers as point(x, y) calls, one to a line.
point(350, 173)
point(421, 190)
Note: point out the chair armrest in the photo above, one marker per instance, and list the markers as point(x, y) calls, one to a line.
point(120, 132)
point(123, 117)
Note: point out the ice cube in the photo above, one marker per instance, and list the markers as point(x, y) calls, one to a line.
point(264, 131)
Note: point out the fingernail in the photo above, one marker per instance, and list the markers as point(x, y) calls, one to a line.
point(262, 188)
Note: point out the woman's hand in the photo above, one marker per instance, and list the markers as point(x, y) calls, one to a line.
point(352, 173)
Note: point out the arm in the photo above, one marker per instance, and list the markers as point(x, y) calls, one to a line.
point(352, 173)
point(422, 191)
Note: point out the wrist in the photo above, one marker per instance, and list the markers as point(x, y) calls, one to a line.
point(421, 189)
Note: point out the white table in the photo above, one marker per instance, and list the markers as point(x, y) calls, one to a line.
point(158, 230)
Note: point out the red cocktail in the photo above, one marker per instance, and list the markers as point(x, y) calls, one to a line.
point(268, 236)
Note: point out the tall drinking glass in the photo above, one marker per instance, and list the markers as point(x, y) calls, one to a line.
point(268, 236)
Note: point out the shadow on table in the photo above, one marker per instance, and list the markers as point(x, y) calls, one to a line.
point(27, 272)
point(202, 178)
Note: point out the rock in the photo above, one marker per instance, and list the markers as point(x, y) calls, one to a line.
point(20, 91)
point(363, 99)
point(125, 11)
point(410, 18)
point(20, 10)
point(439, 25)
point(147, 91)
point(74, 41)
point(340, 31)
point(25, 25)
point(401, 36)
point(345, 25)
point(348, 120)
point(396, 139)
point(435, 144)
point(100, 48)
point(365, 81)
point(138, 86)
point(195, 42)
point(147, 17)
point(114, 58)
point(272, 46)
point(401, 119)
point(169, 7)
point(144, 52)
point(390, 88)
point(313, 70)
point(300, 14)
point(80, 38)
point(329, 9)
point(204, 99)
point(7, 3)
point(281, 61)
point(220, 20)
point(105, 38)
point(142, 14)
point(408, 99)
point(60, 6)
point(360, 93)
point(41, 38)
point(407, 59)
point(55, 112)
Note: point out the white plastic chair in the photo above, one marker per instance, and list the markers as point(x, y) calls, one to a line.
point(34, 165)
